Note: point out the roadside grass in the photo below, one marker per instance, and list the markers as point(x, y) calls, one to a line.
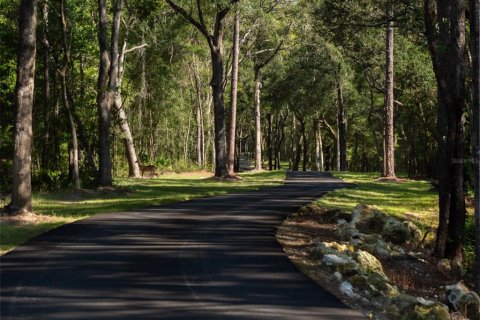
point(413, 200)
point(58, 208)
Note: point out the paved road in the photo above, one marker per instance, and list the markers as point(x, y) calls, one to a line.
point(211, 258)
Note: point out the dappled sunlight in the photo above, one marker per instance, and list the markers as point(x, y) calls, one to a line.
point(409, 199)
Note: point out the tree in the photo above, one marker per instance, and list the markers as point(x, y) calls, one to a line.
point(447, 49)
point(389, 144)
point(215, 44)
point(107, 91)
point(233, 94)
point(24, 91)
point(475, 47)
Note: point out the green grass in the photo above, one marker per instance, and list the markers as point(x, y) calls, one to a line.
point(64, 207)
point(413, 200)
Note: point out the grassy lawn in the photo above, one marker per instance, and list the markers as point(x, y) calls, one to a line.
point(414, 200)
point(56, 209)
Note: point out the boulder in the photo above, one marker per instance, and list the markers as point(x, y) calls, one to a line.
point(368, 219)
point(415, 235)
point(395, 231)
point(368, 262)
point(333, 260)
point(463, 300)
point(347, 231)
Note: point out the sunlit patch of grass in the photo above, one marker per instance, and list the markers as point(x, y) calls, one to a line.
point(63, 207)
point(410, 199)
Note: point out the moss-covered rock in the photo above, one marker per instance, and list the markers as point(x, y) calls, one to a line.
point(395, 231)
point(368, 262)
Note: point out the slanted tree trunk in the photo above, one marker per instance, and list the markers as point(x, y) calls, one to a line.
point(475, 44)
point(389, 150)
point(233, 94)
point(133, 166)
point(75, 173)
point(22, 161)
point(103, 105)
point(448, 52)
point(342, 130)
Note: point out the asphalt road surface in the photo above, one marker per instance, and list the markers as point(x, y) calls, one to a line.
point(210, 258)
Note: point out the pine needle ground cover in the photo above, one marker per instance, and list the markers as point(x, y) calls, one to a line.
point(55, 209)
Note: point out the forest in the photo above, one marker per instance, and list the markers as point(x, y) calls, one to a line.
point(92, 90)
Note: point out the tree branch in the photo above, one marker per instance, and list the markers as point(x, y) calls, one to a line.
point(199, 25)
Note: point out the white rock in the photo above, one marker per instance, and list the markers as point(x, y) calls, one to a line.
point(341, 222)
point(338, 276)
point(334, 260)
point(425, 302)
point(347, 289)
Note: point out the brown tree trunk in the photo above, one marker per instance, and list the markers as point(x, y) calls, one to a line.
point(258, 124)
point(22, 161)
point(103, 105)
point(447, 53)
point(233, 94)
point(219, 112)
point(304, 144)
point(293, 147)
point(389, 152)
point(475, 44)
point(46, 87)
point(342, 129)
point(269, 142)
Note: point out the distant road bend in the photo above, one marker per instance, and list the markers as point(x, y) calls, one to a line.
point(210, 258)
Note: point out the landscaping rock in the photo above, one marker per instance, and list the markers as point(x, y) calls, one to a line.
point(415, 235)
point(347, 289)
point(395, 231)
point(368, 262)
point(463, 300)
point(368, 219)
point(332, 260)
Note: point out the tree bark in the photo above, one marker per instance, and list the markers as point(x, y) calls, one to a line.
point(447, 51)
point(22, 162)
point(319, 166)
point(133, 166)
point(103, 105)
point(233, 94)
point(475, 45)
point(342, 129)
point(270, 142)
point(258, 123)
point(46, 87)
point(389, 152)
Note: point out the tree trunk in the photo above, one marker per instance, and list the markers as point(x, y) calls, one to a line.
point(269, 142)
point(258, 124)
point(342, 129)
point(22, 161)
point(318, 146)
point(103, 105)
point(46, 87)
point(75, 174)
point(133, 166)
point(475, 44)
point(389, 151)
point(293, 148)
point(304, 144)
point(233, 94)
point(447, 53)
point(219, 113)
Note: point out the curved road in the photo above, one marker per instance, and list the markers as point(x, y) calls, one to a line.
point(210, 258)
